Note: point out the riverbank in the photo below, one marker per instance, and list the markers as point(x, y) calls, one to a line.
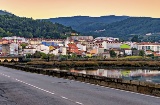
point(97, 64)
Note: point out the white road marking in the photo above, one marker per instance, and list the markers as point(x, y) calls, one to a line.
point(43, 89)
point(64, 97)
point(79, 103)
point(94, 85)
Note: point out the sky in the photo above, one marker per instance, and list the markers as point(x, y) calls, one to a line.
point(43, 9)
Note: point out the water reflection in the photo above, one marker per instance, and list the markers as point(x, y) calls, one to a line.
point(139, 74)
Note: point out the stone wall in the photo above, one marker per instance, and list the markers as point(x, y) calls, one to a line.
point(128, 85)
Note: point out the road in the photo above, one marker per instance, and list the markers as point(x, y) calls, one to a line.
point(24, 88)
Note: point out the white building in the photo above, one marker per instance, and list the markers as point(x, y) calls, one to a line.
point(29, 50)
point(64, 50)
point(55, 52)
point(81, 37)
point(149, 46)
point(111, 44)
point(82, 47)
point(107, 38)
point(128, 51)
point(13, 49)
point(15, 39)
point(42, 48)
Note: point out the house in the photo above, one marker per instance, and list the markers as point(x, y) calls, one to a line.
point(34, 41)
point(52, 42)
point(72, 48)
point(157, 53)
point(15, 39)
point(149, 52)
point(63, 50)
point(7, 48)
point(93, 51)
point(106, 38)
point(117, 51)
point(149, 46)
point(42, 48)
point(135, 52)
point(127, 51)
point(54, 50)
point(98, 43)
point(100, 50)
point(111, 44)
point(81, 37)
point(4, 47)
point(106, 54)
point(4, 41)
point(126, 48)
point(90, 44)
point(82, 47)
point(14, 49)
point(29, 50)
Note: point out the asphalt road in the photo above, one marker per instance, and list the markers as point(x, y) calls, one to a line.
point(23, 88)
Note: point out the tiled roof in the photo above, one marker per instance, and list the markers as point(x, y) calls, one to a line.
point(148, 43)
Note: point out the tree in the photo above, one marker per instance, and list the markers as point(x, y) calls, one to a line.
point(135, 38)
point(24, 45)
point(37, 54)
point(28, 56)
point(133, 48)
point(112, 53)
point(141, 53)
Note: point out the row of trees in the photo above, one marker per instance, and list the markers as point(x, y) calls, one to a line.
point(48, 57)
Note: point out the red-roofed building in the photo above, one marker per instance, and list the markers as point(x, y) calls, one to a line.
point(72, 48)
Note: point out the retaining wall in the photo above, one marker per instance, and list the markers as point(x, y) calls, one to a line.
point(129, 85)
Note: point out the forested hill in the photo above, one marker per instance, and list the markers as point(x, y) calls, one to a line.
point(132, 25)
point(11, 25)
point(123, 27)
point(86, 23)
point(4, 13)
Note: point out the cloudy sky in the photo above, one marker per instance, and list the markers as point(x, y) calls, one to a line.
point(63, 8)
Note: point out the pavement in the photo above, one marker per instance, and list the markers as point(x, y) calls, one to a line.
point(24, 88)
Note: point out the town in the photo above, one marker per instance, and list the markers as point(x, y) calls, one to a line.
point(79, 46)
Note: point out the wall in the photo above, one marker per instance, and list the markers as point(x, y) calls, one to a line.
point(8, 58)
point(128, 85)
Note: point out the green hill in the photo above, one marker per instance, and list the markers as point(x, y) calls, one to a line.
point(130, 27)
point(85, 23)
point(123, 27)
point(11, 25)
point(133, 25)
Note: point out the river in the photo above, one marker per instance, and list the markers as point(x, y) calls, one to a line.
point(135, 74)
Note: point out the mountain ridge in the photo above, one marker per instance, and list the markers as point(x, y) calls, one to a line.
point(3, 12)
point(79, 22)
point(113, 26)
point(11, 25)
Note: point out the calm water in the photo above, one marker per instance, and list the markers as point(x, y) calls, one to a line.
point(139, 74)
